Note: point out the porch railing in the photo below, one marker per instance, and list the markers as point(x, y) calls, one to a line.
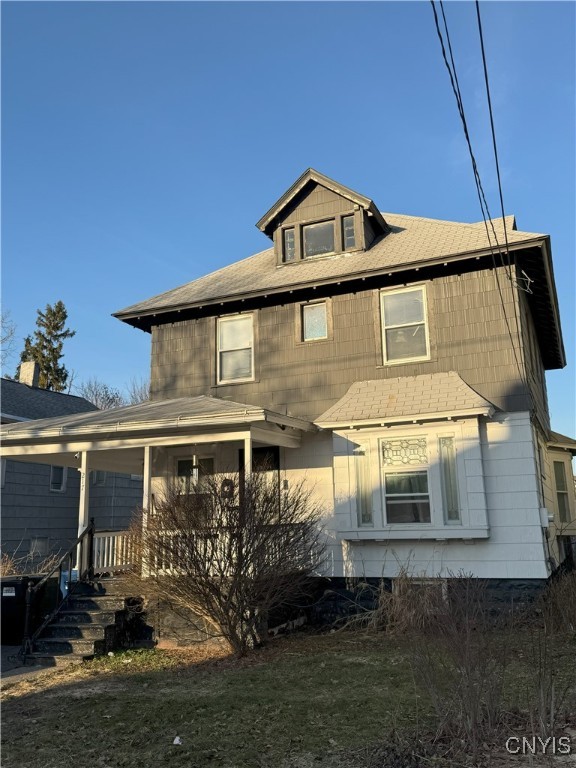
point(112, 551)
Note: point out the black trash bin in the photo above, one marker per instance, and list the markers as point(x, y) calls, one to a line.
point(13, 591)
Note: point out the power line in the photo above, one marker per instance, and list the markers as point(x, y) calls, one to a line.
point(479, 188)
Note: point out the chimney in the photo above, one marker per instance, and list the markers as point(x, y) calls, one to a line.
point(29, 373)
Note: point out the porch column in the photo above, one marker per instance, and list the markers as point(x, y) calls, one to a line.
point(247, 455)
point(147, 485)
point(84, 506)
point(83, 557)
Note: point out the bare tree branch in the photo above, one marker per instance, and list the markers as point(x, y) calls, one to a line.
point(231, 550)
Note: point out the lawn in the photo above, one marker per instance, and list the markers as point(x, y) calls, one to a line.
point(305, 700)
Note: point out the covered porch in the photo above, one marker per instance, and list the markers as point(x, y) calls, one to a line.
point(162, 441)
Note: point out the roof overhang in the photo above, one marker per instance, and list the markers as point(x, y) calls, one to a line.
point(416, 418)
point(267, 223)
point(128, 430)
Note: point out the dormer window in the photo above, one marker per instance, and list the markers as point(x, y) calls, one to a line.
point(318, 239)
point(289, 245)
point(348, 236)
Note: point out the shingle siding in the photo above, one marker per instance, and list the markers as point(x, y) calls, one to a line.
point(468, 334)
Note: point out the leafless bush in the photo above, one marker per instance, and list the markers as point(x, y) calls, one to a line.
point(11, 565)
point(558, 604)
point(230, 550)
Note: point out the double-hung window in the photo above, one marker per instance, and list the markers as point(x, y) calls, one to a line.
point(405, 480)
point(235, 348)
point(404, 326)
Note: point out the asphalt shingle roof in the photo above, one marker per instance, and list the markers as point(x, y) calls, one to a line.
point(28, 402)
point(176, 412)
point(412, 240)
point(411, 397)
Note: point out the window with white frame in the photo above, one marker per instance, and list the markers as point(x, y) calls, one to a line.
point(404, 325)
point(405, 480)
point(58, 479)
point(449, 480)
point(364, 508)
point(235, 348)
point(314, 321)
point(562, 491)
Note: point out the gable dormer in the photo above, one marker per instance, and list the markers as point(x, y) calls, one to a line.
point(317, 217)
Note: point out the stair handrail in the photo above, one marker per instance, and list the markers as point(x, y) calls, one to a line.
point(85, 558)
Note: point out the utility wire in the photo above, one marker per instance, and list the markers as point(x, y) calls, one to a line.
point(493, 134)
point(479, 188)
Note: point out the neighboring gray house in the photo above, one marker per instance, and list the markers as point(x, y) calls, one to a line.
point(395, 362)
point(40, 501)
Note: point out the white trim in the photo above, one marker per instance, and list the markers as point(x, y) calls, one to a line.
point(227, 319)
point(408, 289)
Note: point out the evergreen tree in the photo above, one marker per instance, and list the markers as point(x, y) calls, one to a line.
point(45, 347)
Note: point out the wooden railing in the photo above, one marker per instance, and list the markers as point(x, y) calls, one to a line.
point(112, 551)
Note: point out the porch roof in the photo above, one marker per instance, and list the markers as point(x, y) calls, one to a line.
point(404, 399)
point(117, 437)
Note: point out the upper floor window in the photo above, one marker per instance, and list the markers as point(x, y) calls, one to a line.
point(404, 327)
point(318, 239)
point(235, 348)
point(562, 491)
point(314, 321)
point(289, 245)
point(348, 236)
point(57, 478)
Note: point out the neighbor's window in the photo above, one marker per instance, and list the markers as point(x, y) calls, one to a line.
point(348, 236)
point(57, 478)
point(318, 238)
point(98, 477)
point(449, 481)
point(404, 332)
point(314, 322)
point(235, 348)
point(39, 546)
point(405, 480)
point(289, 250)
point(190, 471)
point(562, 491)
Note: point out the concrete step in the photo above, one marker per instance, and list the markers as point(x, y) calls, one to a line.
point(96, 603)
point(93, 616)
point(50, 646)
point(69, 631)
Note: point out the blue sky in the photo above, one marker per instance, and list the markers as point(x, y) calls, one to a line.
point(141, 142)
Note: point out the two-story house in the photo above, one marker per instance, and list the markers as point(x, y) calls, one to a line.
point(395, 362)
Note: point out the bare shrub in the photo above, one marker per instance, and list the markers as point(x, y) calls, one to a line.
point(230, 550)
point(11, 565)
point(558, 603)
